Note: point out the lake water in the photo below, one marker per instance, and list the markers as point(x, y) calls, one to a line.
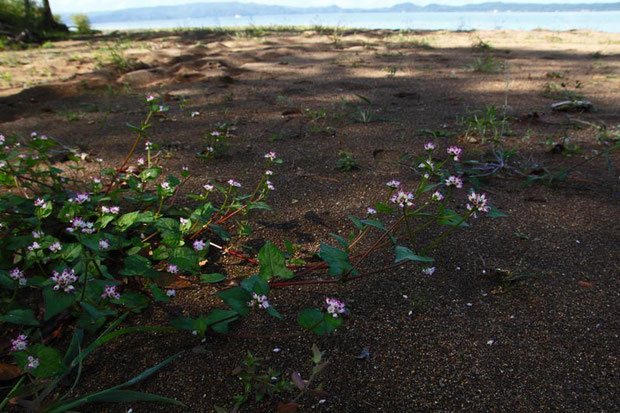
point(600, 21)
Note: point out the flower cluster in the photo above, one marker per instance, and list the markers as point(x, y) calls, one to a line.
point(111, 210)
point(199, 245)
point(261, 300)
point(55, 247)
point(172, 269)
point(234, 183)
point(78, 224)
point(110, 292)
point(18, 275)
point(455, 152)
point(64, 281)
point(271, 156)
point(479, 202)
point(39, 202)
point(20, 343)
point(430, 146)
point(454, 181)
point(394, 184)
point(33, 363)
point(403, 199)
point(80, 198)
point(335, 307)
point(437, 196)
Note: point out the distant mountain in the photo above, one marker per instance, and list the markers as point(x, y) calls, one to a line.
point(228, 9)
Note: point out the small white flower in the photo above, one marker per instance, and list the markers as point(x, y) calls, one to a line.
point(33, 363)
point(55, 247)
point(104, 244)
point(199, 245)
point(371, 211)
point(428, 271)
point(171, 293)
point(194, 114)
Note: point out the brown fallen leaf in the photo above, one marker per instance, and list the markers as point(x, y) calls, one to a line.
point(585, 284)
point(171, 281)
point(290, 407)
point(9, 371)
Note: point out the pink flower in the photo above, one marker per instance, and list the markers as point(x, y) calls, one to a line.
point(104, 244)
point(208, 187)
point(234, 183)
point(18, 275)
point(150, 98)
point(270, 185)
point(33, 363)
point(109, 291)
point(454, 181)
point(259, 299)
point(455, 152)
point(268, 172)
point(429, 146)
point(437, 196)
point(371, 211)
point(335, 307)
point(39, 202)
point(56, 246)
point(172, 269)
point(403, 199)
point(64, 281)
point(271, 156)
point(199, 245)
point(171, 293)
point(393, 184)
point(479, 202)
point(19, 343)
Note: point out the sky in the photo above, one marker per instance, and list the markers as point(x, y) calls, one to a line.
point(82, 6)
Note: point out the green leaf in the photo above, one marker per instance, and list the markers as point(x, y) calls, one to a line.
point(236, 298)
point(318, 322)
point(127, 220)
point(50, 361)
point(159, 295)
point(134, 301)
point(255, 284)
point(343, 242)
point(495, 213)
point(56, 302)
point(451, 218)
point(95, 312)
point(378, 225)
point(273, 263)
point(337, 259)
point(128, 396)
point(356, 222)
point(20, 316)
point(150, 174)
point(212, 278)
point(381, 207)
point(404, 253)
point(220, 232)
point(137, 265)
point(184, 258)
point(259, 205)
